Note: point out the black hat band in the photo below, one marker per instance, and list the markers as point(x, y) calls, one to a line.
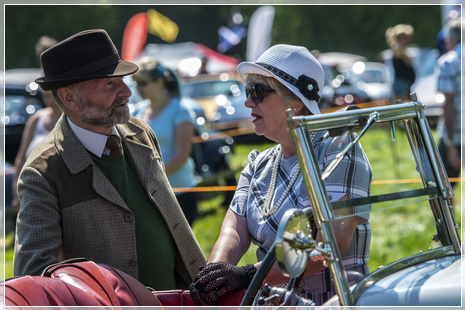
point(306, 85)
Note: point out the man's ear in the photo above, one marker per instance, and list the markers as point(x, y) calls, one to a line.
point(68, 98)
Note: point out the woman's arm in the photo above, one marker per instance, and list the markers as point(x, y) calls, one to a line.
point(233, 241)
point(183, 135)
point(221, 275)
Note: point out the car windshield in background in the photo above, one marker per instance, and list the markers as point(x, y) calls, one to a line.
point(210, 88)
point(370, 76)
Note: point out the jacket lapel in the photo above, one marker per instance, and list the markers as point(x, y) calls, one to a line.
point(77, 159)
point(147, 162)
point(151, 170)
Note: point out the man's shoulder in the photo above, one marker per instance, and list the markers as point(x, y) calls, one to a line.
point(44, 155)
point(139, 123)
point(139, 130)
point(136, 120)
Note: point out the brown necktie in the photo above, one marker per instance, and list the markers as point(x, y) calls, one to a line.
point(114, 146)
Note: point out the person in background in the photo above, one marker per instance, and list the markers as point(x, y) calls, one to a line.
point(398, 38)
point(286, 77)
point(203, 67)
point(37, 127)
point(43, 44)
point(96, 187)
point(173, 125)
point(449, 82)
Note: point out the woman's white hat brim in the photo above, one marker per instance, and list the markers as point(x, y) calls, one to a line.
point(245, 68)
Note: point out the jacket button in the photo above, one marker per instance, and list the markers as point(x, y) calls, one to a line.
point(128, 217)
point(134, 262)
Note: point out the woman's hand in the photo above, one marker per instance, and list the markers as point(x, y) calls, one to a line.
point(218, 279)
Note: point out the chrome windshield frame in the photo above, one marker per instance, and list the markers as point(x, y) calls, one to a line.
point(423, 147)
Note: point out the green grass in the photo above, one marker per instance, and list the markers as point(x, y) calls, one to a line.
point(396, 232)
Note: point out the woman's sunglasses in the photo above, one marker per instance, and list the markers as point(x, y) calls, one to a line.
point(258, 92)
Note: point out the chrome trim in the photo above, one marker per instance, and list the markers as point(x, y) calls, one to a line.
point(321, 206)
point(351, 117)
point(438, 167)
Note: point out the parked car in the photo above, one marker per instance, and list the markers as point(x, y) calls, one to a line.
point(213, 90)
point(373, 78)
point(424, 62)
point(339, 91)
point(222, 96)
point(425, 87)
point(20, 102)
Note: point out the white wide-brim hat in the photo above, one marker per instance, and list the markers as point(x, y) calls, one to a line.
point(293, 66)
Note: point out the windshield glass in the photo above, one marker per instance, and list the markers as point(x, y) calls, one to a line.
point(367, 76)
point(405, 208)
point(209, 88)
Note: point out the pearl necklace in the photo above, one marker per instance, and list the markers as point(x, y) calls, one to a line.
point(274, 176)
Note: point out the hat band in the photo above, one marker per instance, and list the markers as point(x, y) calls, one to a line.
point(306, 85)
point(88, 68)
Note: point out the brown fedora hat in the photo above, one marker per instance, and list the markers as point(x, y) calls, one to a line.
point(87, 55)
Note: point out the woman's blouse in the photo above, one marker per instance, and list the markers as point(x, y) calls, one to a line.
point(353, 176)
point(164, 126)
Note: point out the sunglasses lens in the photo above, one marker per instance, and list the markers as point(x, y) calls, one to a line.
point(256, 93)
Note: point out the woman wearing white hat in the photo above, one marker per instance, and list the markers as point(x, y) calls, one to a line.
point(285, 77)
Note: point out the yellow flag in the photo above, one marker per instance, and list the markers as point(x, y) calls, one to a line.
point(162, 26)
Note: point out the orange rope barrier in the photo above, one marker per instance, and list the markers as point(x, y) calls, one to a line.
point(205, 189)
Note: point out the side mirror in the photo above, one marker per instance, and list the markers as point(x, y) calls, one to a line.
point(294, 236)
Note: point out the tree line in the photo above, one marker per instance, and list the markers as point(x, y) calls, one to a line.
point(358, 29)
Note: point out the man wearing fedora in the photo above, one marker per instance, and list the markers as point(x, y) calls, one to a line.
point(95, 188)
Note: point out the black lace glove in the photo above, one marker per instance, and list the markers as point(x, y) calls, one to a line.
point(217, 279)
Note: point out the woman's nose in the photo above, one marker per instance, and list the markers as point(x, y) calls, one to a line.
point(249, 103)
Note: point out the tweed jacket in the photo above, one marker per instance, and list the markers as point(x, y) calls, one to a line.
point(69, 209)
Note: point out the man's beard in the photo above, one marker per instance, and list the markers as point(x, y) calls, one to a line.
point(93, 115)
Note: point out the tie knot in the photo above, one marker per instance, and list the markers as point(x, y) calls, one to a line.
point(114, 146)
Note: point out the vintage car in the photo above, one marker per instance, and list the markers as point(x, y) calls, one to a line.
point(431, 277)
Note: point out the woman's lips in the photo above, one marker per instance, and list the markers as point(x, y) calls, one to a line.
point(256, 117)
